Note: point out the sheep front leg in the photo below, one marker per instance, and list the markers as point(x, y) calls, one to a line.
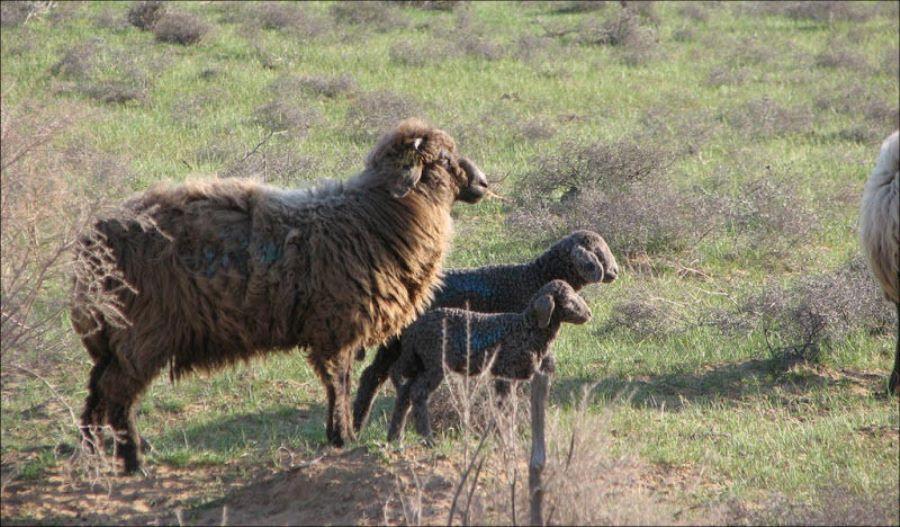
point(401, 409)
point(335, 376)
point(371, 380)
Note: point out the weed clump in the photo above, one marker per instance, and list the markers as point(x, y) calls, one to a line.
point(807, 316)
point(145, 15)
point(816, 11)
point(581, 6)
point(765, 118)
point(280, 164)
point(873, 114)
point(108, 76)
point(179, 28)
point(620, 188)
point(836, 56)
point(644, 315)
point(766, 217)
point(377, 15)
point(432, 5)
point(626, 31)
point(373, 112)
point(280, 115)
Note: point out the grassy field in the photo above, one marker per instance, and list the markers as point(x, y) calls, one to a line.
point(738, 365)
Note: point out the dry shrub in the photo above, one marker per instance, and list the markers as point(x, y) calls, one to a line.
point(764, 118)
point(874, 116)
point(695, 11)
point(50, 196)
point(291, 18)
point(586, 484)
point(282, 115)
point(18, 13)
point(407, 54)
point(583, 482)
point(805, 317)
point(580, 6)
point(471, 38)
point(373, 112)
point(280, 164)
point(727, 76)
point(106, 75)
point(624, 30)
point(643, 313)
point(432, 5)
point(838, 54)
point(376, 15)
point(279, 15)
point(687, 132)
point(111, 20)
point(145, 15)
point(620, 188)
point(817, 11)
point(891, 65)
point(534, 48)
point(684, 34)
point(289, 86)
point(766, 217)
point(179, 28)
point(835, 506)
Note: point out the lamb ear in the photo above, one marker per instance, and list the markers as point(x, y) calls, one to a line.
point(587, 264)
point(541, 310)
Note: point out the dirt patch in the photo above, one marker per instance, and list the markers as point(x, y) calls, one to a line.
point(343, 488)
point(57, 500)
point(348, 488)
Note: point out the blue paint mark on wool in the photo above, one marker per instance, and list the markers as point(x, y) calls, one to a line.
point(478, 339)
point(212, 264)
point(464, 285)
point(269, 253)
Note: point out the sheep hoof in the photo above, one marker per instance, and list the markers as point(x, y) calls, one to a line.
point(134, 470)
point(894, 384)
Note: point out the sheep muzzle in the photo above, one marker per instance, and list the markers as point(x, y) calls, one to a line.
point(477, 185)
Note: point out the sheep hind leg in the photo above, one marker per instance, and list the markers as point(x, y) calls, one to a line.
point(93, 417)
point(120, 393)
point(420, 392)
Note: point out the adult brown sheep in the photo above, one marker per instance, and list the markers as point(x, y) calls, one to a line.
point(231, 269)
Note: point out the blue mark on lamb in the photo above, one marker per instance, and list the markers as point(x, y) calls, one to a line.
point(465, 284)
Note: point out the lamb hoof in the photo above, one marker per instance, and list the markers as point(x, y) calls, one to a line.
point(146, 446)
point(894, 384)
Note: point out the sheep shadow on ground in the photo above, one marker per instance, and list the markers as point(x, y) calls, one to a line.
point(724, 383)
point(272, 426)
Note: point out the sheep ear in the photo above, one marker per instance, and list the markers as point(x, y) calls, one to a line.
point(409, 173)
point(407, 179)
point(587, 264)
point(541, 310)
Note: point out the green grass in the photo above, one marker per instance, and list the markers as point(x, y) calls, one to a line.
point(698, 397)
